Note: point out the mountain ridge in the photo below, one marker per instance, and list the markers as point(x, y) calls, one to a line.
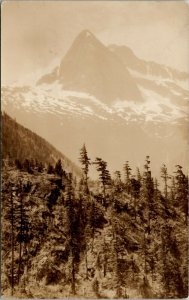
point(134, 62)
point(20, 143)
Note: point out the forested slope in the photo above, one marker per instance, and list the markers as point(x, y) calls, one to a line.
point(118, 237)
point(21, 143)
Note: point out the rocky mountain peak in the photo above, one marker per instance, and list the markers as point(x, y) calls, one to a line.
point(86, 34)
point(90, 67)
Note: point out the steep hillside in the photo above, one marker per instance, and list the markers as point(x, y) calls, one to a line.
point(21, 143)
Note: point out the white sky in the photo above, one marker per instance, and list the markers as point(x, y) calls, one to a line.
point(37, 34)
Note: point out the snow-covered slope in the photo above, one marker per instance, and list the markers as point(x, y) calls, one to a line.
point(53, 99)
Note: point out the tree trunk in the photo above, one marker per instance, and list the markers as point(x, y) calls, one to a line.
point(145, 254)
point(166, 188)
point(135, 206)
point(73, 275)
point(86, 263)
point(105, 267)
point(21, 236)
point(104, 194)
point(86, 182)
point(12, 245)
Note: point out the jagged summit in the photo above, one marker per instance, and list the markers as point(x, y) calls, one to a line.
point(84, 43)
point(90, 67)
point(86, 34)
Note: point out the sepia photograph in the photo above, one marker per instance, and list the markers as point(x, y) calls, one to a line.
point(94, 149)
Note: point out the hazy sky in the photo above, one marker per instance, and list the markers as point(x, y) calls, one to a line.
point(37, 34)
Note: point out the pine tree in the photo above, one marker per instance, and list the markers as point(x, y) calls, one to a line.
point(27, 167)
point(118, 185)
point(40, 167)
point(85, 162)
point(147, 192)
point(135, 192)
point(93, 216)
point(148, 180)
point(173, 190)
point(181, 197)
point(73, 230)
point(138, 175)
point(17, 217)
point(104, 175)
point(165, 176)
point(117, 177)
point(18, 164)
point(58, 168)
point(127, 171)
point(118, 252)
point(22, 227)
point(12, 242)
point(50, 169)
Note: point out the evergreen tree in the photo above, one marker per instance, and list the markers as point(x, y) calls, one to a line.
point(27, 167)
point(118, 184)
point(147, 192)
point(12, 215)
point(147, 182)
point(127, 171)
point(85, 162)
point(50, 169)
point(181, 197)
point(165, 176)
point(104, 174)
point(73, 231)
point(22, 227)
point(118, 176)
point(173, 190)
point(135, 192)
point(58, 168)
point(138, 175)
point(17, 217)
point(40, 167)
point(18, 164)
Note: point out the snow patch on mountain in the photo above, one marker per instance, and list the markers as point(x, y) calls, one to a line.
point(53, 99)
point(182, 83)
point(155, 107)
